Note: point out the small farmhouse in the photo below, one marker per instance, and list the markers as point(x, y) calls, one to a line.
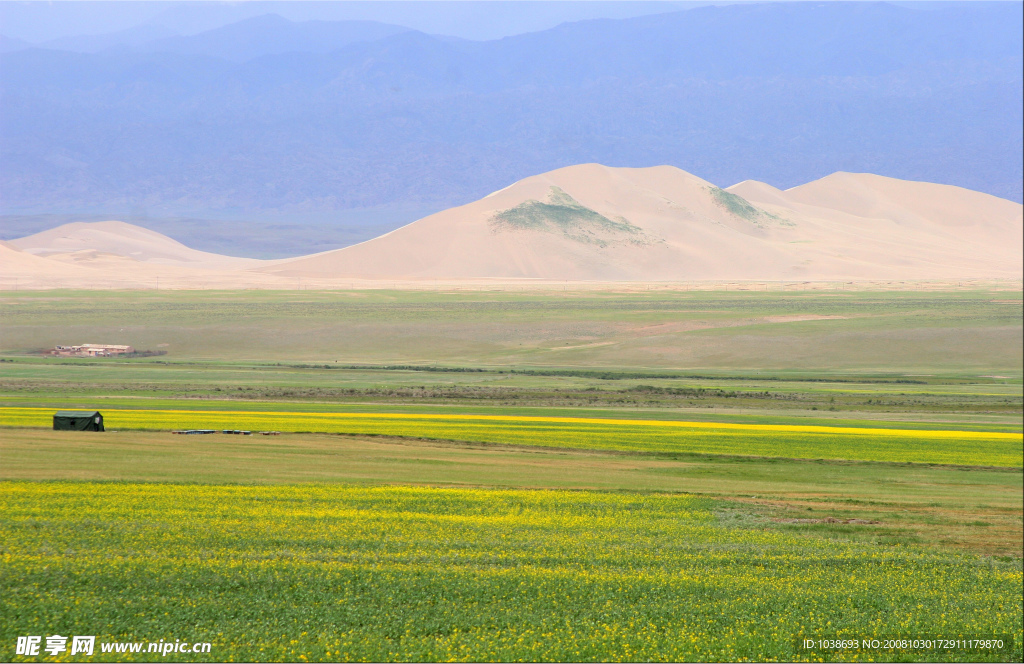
point(93, 350)
point(78, 420)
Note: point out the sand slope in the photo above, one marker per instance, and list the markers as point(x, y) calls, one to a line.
point(592, 222)
point(16, 264)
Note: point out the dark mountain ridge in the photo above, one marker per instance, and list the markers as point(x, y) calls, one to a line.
point(271, 34)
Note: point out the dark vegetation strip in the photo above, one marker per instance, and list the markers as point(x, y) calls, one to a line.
point(588, 373)
point(668, 456)
point(568, 373)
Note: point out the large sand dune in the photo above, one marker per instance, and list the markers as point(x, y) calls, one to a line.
point(602, 224)
point(592, 222)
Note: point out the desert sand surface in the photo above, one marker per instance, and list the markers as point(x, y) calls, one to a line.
point(117, 255)
point(590, 224)
point(663, 224)
point(81, 242)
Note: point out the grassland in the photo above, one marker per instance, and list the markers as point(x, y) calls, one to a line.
point(960, 333)
point(972, 510)
point(952, 360)
point(414, 574)
point(741, 468)
point(954, 401)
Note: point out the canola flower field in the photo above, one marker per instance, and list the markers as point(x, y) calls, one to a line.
point(976, 448)
point(299, 573)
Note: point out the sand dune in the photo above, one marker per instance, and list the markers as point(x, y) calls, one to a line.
point(98, 241)
point(586, 222)
point(904, 228)
point(592, 223)
point(116, 255)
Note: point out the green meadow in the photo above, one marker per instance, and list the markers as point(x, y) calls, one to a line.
point(517, 475)
point(432, 574)
point(966, 332)
point(966, 508)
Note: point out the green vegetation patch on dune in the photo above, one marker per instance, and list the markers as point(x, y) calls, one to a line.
point(742, 208)
point(308, 573)
point(565, 215)
point(735, 204)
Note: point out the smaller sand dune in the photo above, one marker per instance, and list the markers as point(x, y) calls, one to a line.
point(98, 242)
point(759, 192)
point(116, 255)
point(961, 212)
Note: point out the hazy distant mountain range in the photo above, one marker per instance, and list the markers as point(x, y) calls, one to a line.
point(247, 39)
point(283, 120)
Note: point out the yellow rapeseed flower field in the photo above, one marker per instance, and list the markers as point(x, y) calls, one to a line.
point(316, 573)
point(658, 436)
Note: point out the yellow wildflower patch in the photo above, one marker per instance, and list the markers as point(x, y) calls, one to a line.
point(314, 573)
point(650, 436)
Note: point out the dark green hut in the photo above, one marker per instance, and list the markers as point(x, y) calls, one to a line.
point(77, 420)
